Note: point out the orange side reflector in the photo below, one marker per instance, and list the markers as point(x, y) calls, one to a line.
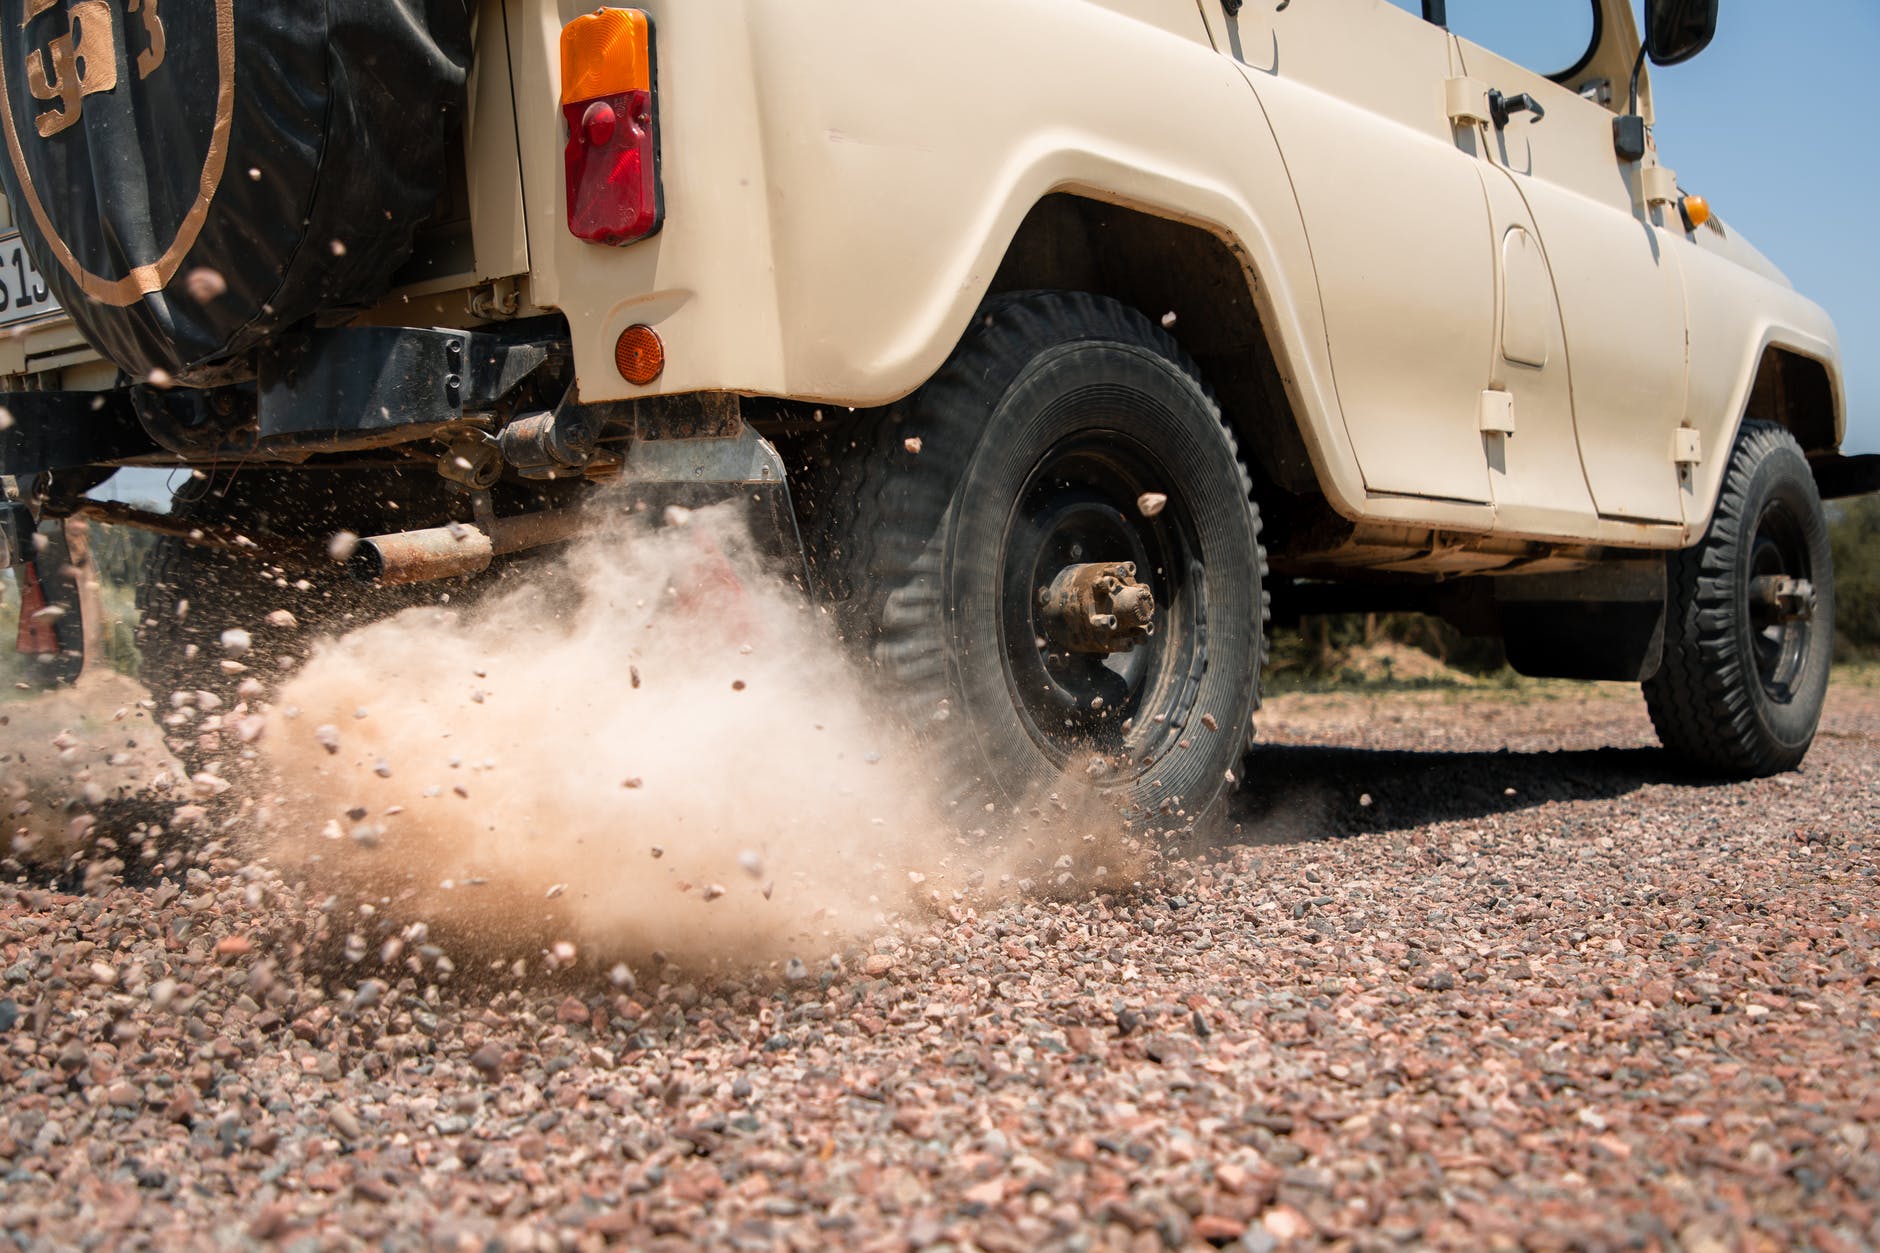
point(605, 53)
point(639, 354)
point(1696, 211)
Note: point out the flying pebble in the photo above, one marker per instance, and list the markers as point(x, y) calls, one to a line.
point(204, 284)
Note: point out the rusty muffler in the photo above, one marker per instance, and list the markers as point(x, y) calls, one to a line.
point(446, 552)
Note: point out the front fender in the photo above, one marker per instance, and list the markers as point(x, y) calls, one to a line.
point(1737, 314)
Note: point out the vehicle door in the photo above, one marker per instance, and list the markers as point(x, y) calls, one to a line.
point(1614, 268)
point(1397, 223)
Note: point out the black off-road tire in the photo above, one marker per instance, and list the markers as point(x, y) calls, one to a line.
point(1029, 448)
point(1739, 694)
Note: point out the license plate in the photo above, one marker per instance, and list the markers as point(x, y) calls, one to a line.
point(23, 294)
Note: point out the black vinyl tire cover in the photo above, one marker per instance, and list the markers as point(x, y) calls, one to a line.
point(289, 147)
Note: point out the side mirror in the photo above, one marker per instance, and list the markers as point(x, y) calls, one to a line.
point(1677, 30)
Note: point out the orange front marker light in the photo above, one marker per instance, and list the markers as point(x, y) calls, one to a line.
point(1696, 211)
point(639, 354)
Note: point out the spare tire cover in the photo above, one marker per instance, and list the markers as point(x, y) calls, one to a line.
point(193, 176)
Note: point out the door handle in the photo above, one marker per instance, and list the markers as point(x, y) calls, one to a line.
point(1501, 107)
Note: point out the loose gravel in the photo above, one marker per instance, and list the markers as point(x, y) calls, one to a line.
point(1463, 975)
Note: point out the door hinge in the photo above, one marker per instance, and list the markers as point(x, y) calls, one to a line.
point(1497, 413)
point(1466, 101)
point(1687, 447)
point(498, 299)
point(1659, 184)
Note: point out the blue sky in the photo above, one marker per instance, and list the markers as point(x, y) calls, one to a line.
point(1776, 125)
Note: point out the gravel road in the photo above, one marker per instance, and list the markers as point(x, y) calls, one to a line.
point(1464, 976)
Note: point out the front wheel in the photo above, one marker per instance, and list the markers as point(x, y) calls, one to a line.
point(1749, 624)
point(1052, 554)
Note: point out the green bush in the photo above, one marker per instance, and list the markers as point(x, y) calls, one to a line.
point(1319, 648)
point(1854, 528)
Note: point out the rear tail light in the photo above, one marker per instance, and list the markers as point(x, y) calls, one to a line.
point(613, 130)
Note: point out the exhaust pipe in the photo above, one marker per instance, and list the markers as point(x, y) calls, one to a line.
point(446, 552)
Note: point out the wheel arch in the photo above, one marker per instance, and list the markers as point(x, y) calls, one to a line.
point(1165, 265)
point(1787, 375)
point(1795, 390)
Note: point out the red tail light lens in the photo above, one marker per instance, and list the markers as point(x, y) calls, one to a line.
point(607, 102)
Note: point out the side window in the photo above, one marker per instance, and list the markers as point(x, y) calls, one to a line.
point(1551, 37)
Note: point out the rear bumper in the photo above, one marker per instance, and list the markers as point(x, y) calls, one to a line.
point(329, 391)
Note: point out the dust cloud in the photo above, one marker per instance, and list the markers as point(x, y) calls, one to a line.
point(646, 745)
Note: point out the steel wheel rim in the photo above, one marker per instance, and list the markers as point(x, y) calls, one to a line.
point(1079, 504)
point(1779, 645)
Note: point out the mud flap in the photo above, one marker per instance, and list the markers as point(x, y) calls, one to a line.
point(742, 468)
point(53, 600)
point(35, 637)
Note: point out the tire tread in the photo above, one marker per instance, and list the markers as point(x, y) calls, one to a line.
point(1700, 700)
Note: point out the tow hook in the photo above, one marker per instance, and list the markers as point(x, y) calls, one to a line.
point(1789, 599)
point(1097, 607)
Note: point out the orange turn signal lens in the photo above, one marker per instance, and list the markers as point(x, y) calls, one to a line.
point(605, 53)
point(1696, 211)
point(639, 354)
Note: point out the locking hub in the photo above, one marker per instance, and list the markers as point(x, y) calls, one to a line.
point(1097, 607)
point(1778, 598)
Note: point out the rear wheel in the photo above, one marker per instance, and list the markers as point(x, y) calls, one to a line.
point(1750, 619)
point(1052, 554)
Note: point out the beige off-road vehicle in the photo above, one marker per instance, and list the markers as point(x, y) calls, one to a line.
point(1058, 344)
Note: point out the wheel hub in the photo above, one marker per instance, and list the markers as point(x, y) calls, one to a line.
point(1779, 598)
point(1097, 607)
